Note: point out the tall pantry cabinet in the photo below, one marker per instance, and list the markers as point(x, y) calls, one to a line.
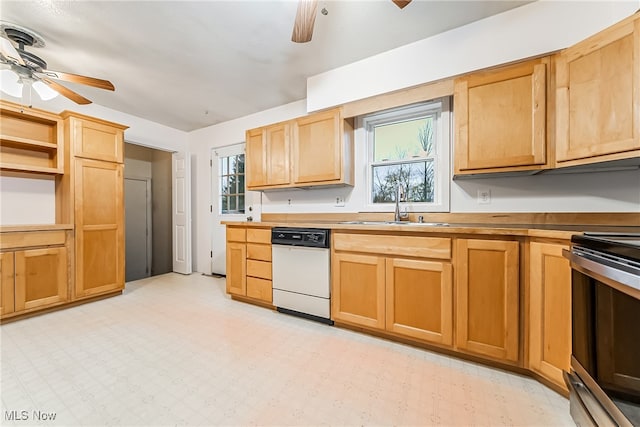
point(92, 195)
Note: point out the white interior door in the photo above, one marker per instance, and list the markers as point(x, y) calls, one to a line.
point(181, 207)
point(137, 204)
point(229, 201)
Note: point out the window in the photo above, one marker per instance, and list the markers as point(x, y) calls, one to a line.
point(409, 147)
point(232, 184)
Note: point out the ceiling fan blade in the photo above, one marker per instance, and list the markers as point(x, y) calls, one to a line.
point(401, 3)
point(76, 78)
point(305, 19)
point(9, 52)
point(78, 99)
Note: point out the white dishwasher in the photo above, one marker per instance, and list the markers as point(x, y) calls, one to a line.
point(301, 272)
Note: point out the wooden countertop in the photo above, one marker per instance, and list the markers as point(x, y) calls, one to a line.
point(554, 231)
point(34, 227)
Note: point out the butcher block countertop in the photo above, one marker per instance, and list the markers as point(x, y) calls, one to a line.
point(34, 227)
point(552, 231)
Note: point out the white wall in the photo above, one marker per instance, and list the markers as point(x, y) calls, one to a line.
point(201, 142)
point(526, 31)
point(25, 200)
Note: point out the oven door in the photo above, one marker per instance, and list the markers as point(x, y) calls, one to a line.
point(605, 341)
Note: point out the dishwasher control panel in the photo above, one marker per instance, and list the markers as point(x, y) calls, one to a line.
point(309, 237)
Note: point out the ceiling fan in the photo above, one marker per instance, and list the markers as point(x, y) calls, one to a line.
point(22, 67)
point(306, 18)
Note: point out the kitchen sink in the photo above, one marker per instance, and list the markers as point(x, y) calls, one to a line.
point(426, 224)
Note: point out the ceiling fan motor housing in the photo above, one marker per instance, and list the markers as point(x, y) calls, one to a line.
point(20, 37)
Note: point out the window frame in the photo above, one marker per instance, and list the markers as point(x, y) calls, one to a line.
point(441, 158)
point(237, 194)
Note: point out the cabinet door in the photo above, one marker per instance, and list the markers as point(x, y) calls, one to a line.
point(317, 148)
point(598, 96)
point(99, 141)
point(41, 277)
point(99, 216)
point(256, 159)
point(358, 294)
point(549, 311)
point(501, 118)
point(487, 298)
point(277, 139)
point(7, 284)
point(419, 300)
point(237, 268)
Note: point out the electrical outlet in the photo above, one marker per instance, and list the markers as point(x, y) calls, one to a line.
point(484, 196)
point(339, 202)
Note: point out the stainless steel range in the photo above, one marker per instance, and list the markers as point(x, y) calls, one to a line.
point(604, 381)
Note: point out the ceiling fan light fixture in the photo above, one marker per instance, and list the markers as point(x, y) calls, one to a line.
point(10, 83)
point(44, 92)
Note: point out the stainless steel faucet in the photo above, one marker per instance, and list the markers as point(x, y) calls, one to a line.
point(399, 216)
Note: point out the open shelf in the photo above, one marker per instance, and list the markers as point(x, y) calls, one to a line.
point(15, 141)
point(32, 140)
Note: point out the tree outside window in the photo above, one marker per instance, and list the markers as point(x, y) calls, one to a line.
point(403, 154)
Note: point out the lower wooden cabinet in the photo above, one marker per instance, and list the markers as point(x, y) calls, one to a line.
point(249, 263)
point(419, 300)
point(405, 296)
point(7, 283)
point(487, 298)
point(40, 278)
point(236, 268)
point(358, 289)
point(549, 311)
point(34, 271)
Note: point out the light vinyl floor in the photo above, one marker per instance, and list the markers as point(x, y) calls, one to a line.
point(175, 350)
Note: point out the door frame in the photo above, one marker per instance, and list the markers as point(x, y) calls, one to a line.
point(149, 217)
point(214, 216)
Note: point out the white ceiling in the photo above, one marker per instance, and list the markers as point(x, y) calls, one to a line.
point(191, 64)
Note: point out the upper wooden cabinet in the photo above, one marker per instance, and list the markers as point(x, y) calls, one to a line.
point(96, 139)
point(487, 284)
point(268, 158)
point(313, 150)
point(31, 140)
point(318, 155)
point(501, 123)
point(598, 97)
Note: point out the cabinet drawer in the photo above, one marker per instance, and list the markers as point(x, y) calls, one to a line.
point(412, 246)
point(259, 269)
point(259, 235)
point(32, 239)
point(259, 252)
point(259, 288)
point(236, 234)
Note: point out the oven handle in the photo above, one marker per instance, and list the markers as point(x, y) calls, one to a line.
point(604, 267)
